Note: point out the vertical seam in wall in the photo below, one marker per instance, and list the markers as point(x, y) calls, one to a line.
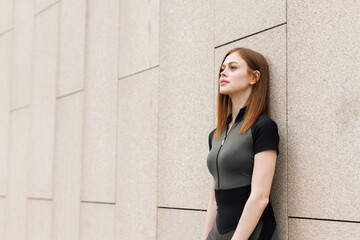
point(117, 97)
point(286, 127)
point(117, 112)
point(213, 72)
point(83, 113)
point(55, 112)
point(59, 34)
point(12, 24)
point(157, 133)
point(85, 44)
point(9, 102)
point(29, 143)
point(8, 174)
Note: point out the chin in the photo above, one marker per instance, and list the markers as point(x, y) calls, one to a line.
point(223, 91)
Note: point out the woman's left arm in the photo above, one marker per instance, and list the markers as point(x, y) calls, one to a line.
point(263, 173)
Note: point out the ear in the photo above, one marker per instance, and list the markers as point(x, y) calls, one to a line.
point(255, 77)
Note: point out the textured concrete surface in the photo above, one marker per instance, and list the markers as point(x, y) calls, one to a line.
point(97, 221)
point(67, 167)
point(43, 104)
point(100, 102)
point(6, 15)
point(2, 216)
point(236, 20)
point(322, 230)
point(177, 224)
point(38, 219)
point(185, 103)
point(139, 40)
point(106, 107)
point(5, 77)
point(72, 33)
point(22, 54)
point(323, 110)
point(19, 152)
point(42, 5)
point(136, 173)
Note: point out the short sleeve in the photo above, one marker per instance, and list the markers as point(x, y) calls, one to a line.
point(265, 135)
point(211, 134)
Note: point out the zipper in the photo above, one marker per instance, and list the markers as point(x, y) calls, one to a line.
point(222, 143)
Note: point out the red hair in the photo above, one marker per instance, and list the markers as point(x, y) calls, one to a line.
point(258, 101)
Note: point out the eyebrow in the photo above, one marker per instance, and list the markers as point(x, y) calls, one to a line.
point(231, 62)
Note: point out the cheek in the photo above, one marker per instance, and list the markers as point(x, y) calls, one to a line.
point(238, 73)
point(240, 76)
point(240, 84)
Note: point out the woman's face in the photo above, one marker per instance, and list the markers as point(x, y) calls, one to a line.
point(234, 77)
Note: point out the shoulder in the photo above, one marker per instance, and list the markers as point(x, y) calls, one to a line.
point(264, 123)
point(265, 134)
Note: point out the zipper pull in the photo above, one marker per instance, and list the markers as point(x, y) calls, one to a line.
point(223, 142)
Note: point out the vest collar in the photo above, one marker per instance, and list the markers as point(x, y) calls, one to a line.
point(239, 116)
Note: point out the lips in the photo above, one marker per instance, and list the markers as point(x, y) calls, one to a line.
point(223, 81)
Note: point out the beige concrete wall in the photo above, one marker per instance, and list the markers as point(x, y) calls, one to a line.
point(106, 106)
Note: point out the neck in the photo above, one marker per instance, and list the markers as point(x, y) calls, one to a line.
point(238, 101)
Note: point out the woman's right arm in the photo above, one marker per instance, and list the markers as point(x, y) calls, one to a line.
point(211, 212)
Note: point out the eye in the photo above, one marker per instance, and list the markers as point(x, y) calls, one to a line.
point(232, 67)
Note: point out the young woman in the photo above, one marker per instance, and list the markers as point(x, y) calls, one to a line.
point(243, 149)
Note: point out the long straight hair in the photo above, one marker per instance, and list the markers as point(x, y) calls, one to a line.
point(258, 101)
